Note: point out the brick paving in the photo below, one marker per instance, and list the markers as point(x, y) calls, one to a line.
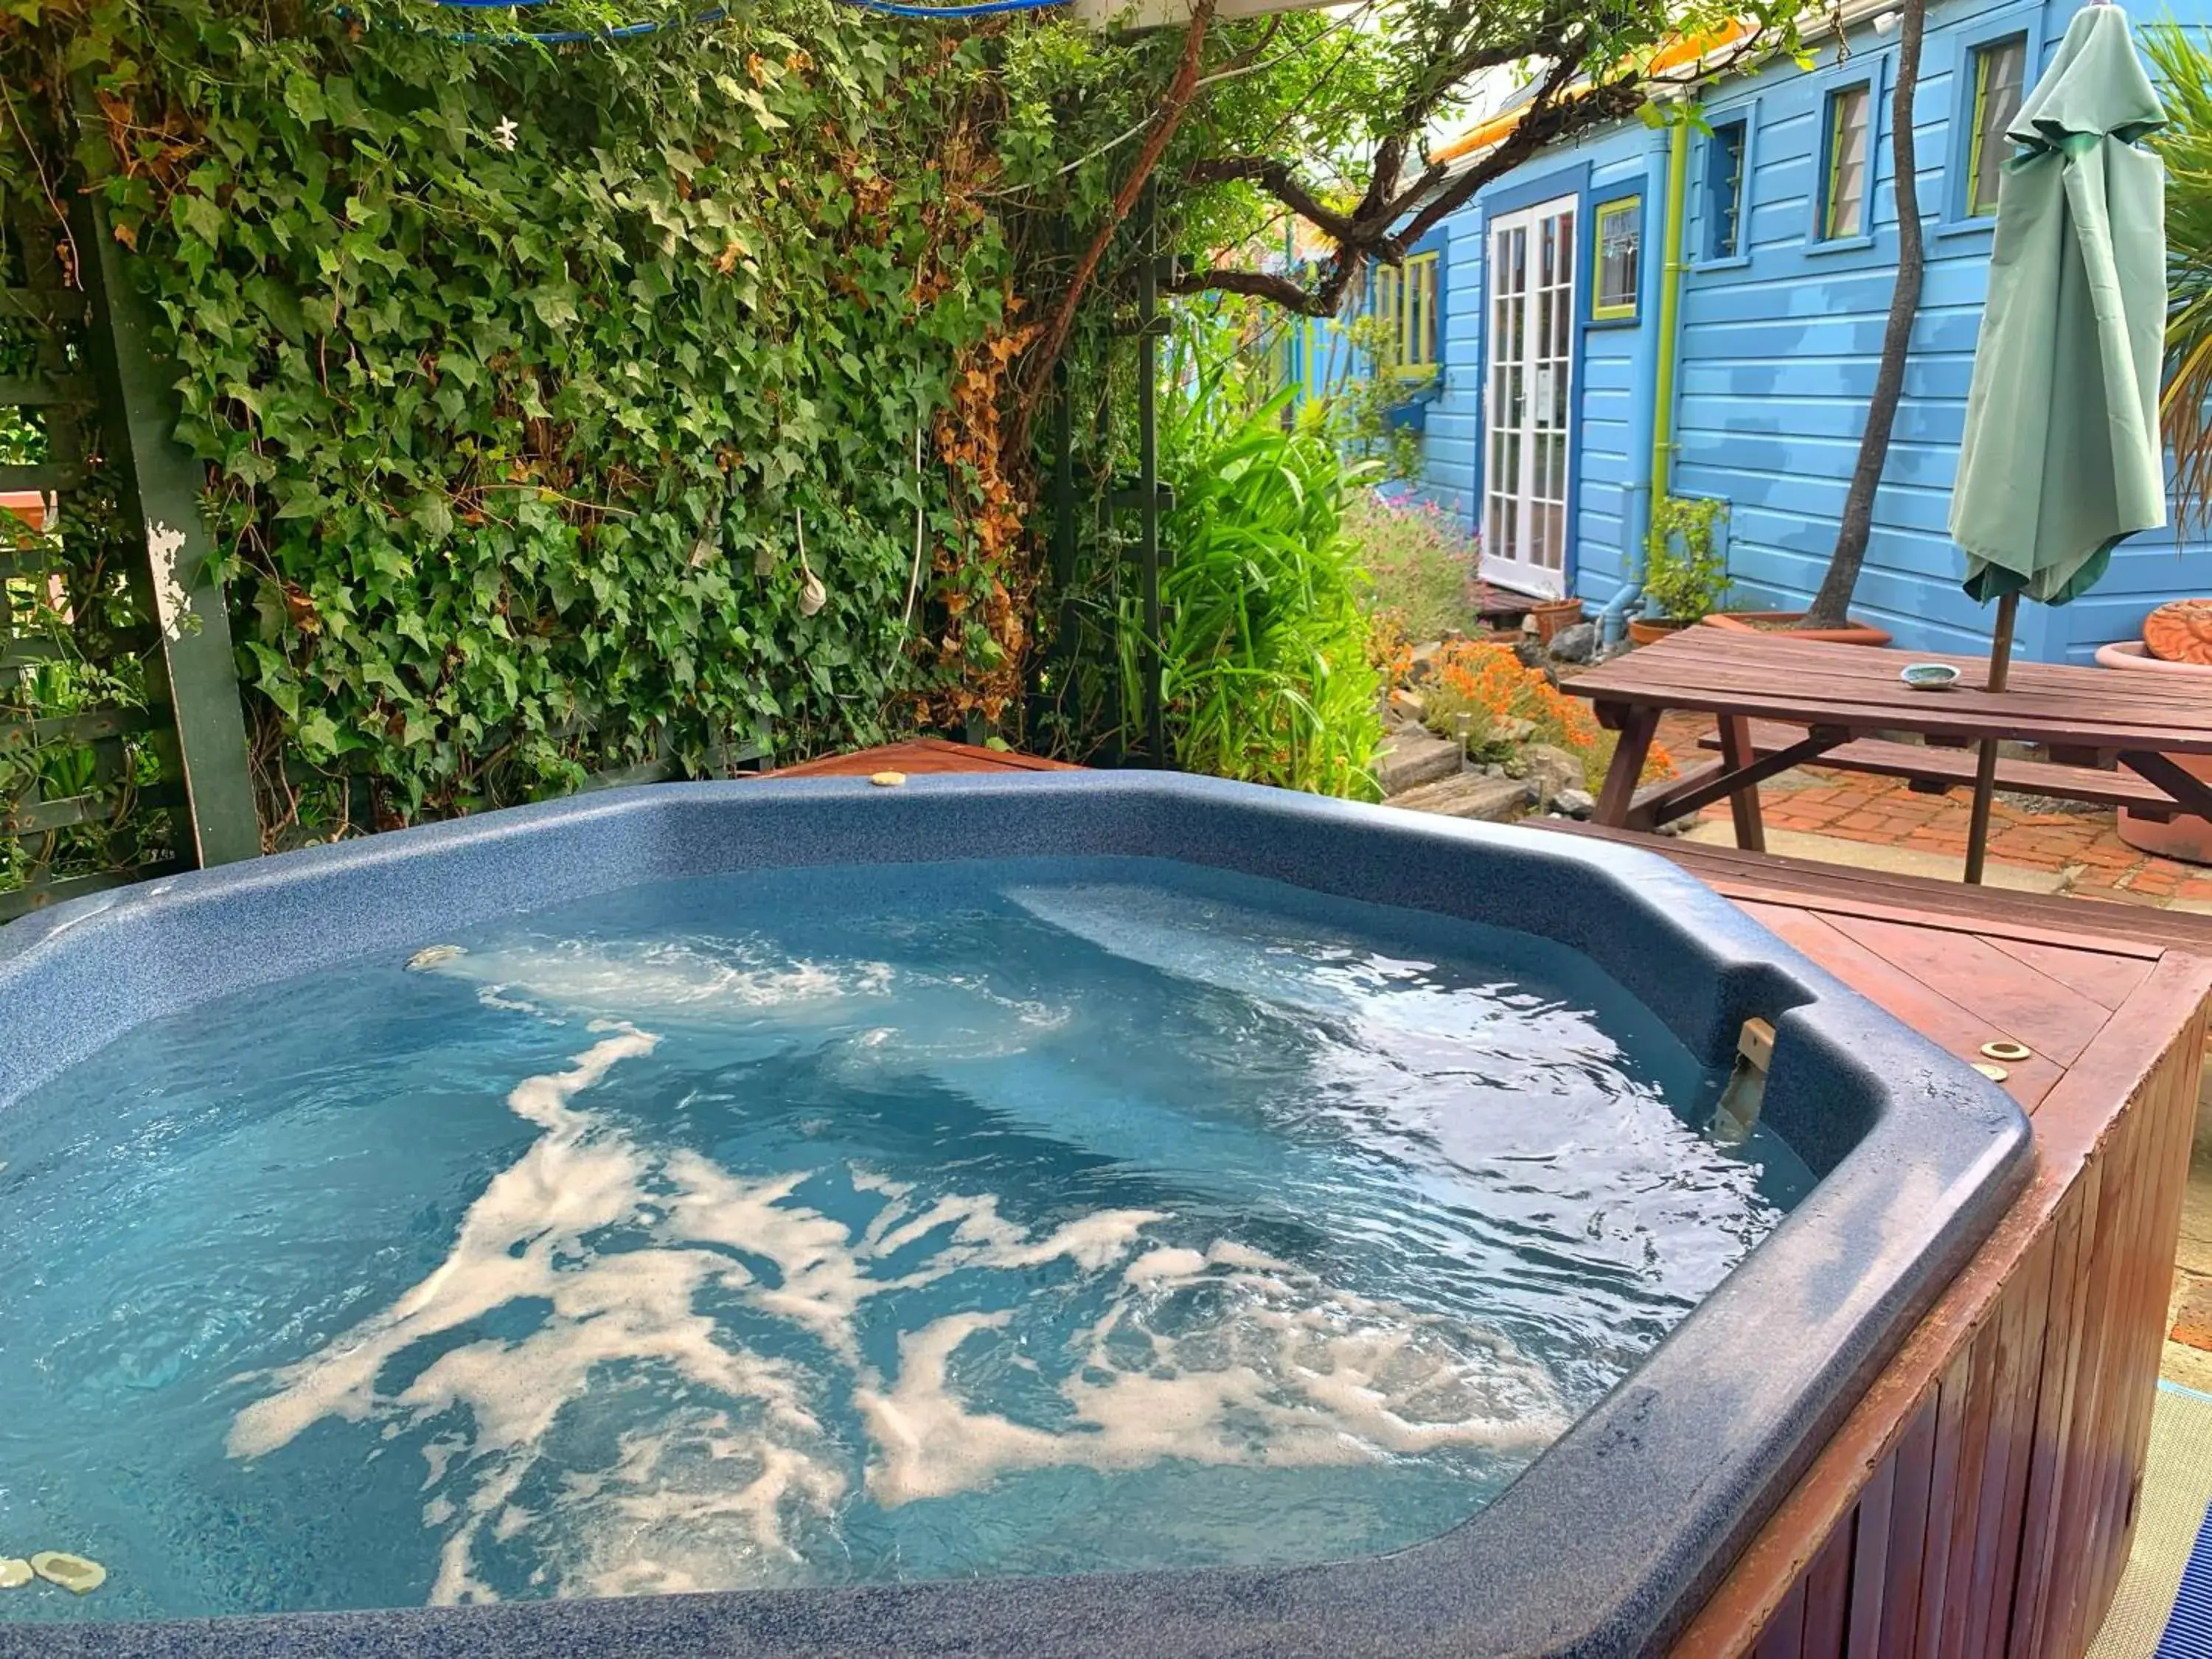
point(2082, 848)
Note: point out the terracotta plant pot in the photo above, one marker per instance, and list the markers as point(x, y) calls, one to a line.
point(1778, 621)
point(2184, 835)
point(1552, 615)
point(1650, 630)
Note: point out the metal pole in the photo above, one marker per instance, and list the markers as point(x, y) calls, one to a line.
point(1148, 468)
point(1985, 771)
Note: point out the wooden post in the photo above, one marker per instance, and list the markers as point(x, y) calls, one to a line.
point(1985, 772)
point(1736, 753)
point(160, 486)
point(1148, 469)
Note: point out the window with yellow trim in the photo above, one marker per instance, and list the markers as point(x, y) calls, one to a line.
point(1618, 252)
point(1406, 303)
point(1843, 197)
point(1999, 77)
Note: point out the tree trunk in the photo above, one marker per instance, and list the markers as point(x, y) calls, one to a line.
point(1832, 605)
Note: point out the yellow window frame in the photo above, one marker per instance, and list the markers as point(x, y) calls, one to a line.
point(1985, 58)
point(1406, 298)
point(1621, 207)
point(1839, 100)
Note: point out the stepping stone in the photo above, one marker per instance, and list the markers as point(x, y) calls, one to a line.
point(1410, 759)
point(14, 1572)
point(1471, 795)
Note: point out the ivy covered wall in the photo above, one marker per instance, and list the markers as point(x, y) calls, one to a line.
point(561, 406)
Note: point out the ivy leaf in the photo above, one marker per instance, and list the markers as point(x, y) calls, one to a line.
point(304, 98)
point(197, 216)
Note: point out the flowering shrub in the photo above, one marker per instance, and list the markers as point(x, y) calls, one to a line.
point(1427, 568)
point(1491, 686)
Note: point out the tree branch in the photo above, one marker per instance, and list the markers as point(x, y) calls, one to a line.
point(1278, 181)
point(1366, 232)
point(1169, 117)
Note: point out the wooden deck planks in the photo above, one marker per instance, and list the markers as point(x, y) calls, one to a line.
point(1904, 994)
point(2015, 1000)
point(2106, 979)
point(1997, 1454)
point(920, 757)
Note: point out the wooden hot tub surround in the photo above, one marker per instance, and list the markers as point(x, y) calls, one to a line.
point(1978, 1499)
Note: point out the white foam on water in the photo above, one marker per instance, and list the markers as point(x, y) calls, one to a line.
point(1277, 1371)
point(525, 1237)
point(658, 978)
point(1219, 1357)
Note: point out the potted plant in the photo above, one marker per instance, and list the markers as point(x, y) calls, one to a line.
point(1551, 616)
point(1685, 574)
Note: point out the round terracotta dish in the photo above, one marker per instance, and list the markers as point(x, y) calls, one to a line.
point(2180, 632)
point(1784, 621)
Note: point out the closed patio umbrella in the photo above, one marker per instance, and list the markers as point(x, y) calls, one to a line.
point(2060, 457)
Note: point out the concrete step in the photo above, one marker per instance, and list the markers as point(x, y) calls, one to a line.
point(1412, 758)
point(1468, 795)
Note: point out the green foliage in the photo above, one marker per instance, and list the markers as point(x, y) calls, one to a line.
point(1685, 575)
point(513, 430)
point(75, 766)
point(2183, 65)
point(1264, 648)
point(1427, 569)
point(1353, 411)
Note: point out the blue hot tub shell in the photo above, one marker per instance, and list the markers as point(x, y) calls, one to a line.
point(1605, 1544)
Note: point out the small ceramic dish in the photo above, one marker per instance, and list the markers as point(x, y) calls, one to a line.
point(1929, 676)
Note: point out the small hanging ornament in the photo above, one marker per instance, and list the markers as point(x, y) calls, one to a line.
point(812, 596)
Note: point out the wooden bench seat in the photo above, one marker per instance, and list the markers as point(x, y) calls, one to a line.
point(1934, 769)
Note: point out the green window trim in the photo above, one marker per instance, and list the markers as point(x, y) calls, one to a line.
point(1850, 117)
point(1603, 310)
point(2009, 55)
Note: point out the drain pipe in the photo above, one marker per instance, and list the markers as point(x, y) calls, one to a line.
point(1613, 618)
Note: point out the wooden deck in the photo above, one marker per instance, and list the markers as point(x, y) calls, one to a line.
point(918, 755)
point(1979, 1499)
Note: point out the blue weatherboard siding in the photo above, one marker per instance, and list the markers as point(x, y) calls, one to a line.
point(1778, 347)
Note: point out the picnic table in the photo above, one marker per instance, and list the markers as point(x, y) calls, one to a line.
point(1781, 702)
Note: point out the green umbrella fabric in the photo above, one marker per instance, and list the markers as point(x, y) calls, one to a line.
point(2060, 457)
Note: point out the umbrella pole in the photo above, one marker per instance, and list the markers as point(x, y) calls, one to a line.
point(1985, 772)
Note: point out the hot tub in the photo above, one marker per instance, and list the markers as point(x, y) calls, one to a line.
point(1290, 1005)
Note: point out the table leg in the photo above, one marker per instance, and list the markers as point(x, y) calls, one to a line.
point(1637, 725)
point(2189, 791)
point(1736, 753)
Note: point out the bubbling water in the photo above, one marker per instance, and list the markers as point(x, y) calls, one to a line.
point(945, 1220)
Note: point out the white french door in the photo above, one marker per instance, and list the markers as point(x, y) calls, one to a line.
point(1528, 405)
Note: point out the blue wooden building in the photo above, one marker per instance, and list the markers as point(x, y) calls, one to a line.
point(1538, 308)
